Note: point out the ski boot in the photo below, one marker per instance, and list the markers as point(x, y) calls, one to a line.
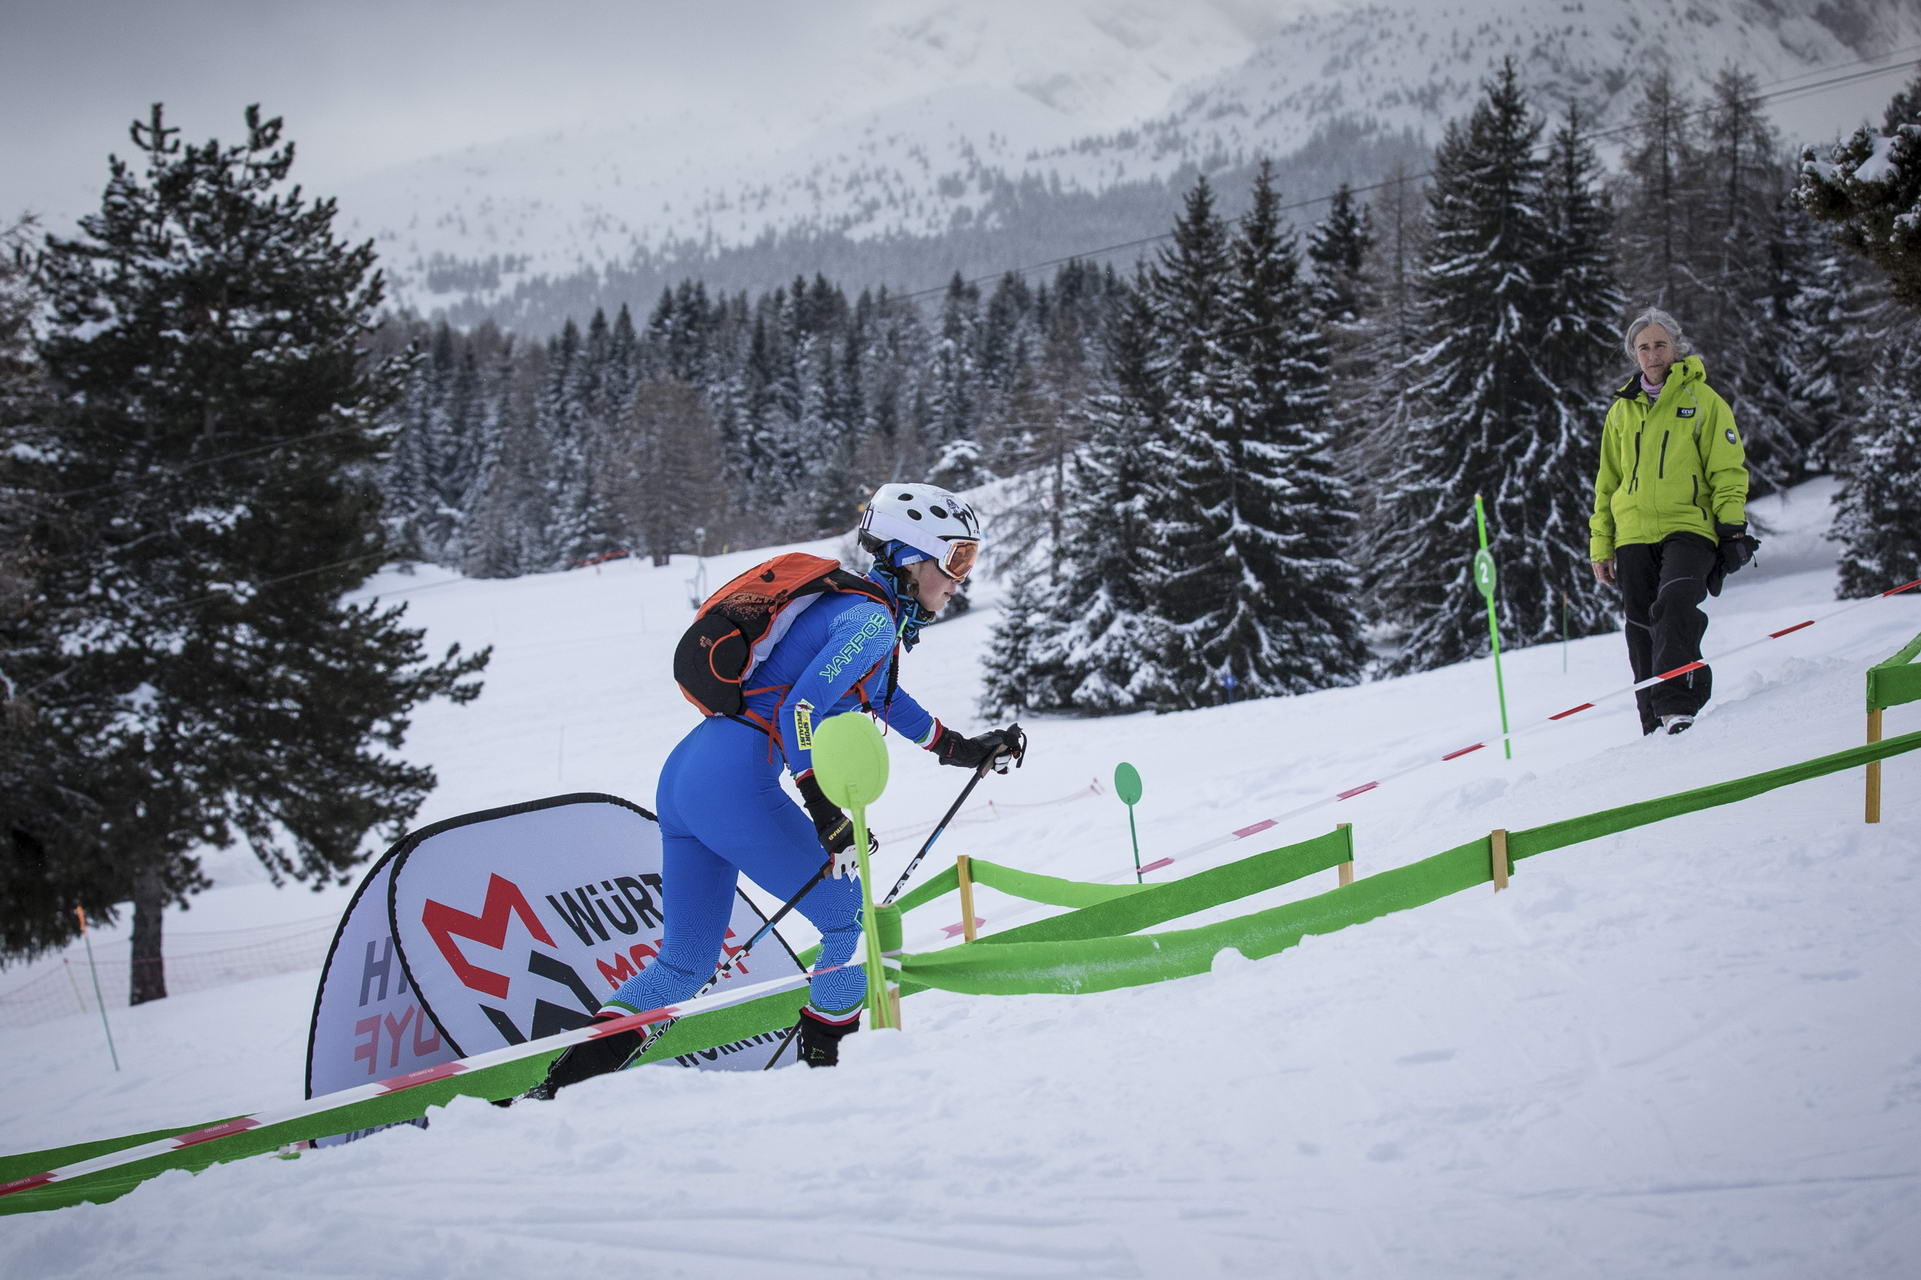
point(588, 1059)
point(820, 1039)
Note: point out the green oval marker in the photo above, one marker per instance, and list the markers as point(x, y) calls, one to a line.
point(851, 762)
point(850, 759)
point(1127, 783)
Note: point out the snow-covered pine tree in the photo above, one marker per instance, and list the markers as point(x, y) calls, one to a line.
point(1287, 620)
point(49, 815)
point(1488, 418)
point(1185, 560)
point(1020, 645)
point(1580, 357)
point(215, 436)
point(1878, 506)
point(1744, 280)
point(1339, 247)
point(1370, 438)
point(1104, 642)
point(1869, 188)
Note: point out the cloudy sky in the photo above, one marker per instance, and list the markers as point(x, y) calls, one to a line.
point(362, 84)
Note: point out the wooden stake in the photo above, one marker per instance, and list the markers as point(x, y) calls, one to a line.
point(1497, 847)
point(1874, 767)
point(964, 869)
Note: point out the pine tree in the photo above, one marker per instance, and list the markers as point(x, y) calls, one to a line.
point(1016, 651)
point(1579, 357)
point(1369, 440)
point(1661, 198)
point(1339, 248)
point(215, 432)
point(1869, 188)
point(1104, 642)
point(1489, 418)
point(1744, 281)
point(51, 858)
point(1878, 507)
point(1184, 561)
point(1287, 620)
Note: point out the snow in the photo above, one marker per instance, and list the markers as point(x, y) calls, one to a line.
point(1690, 1049)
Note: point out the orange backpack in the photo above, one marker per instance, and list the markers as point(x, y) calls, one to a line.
point(740, 624)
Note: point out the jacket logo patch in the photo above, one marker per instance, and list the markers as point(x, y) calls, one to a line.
point(1731, 439)
point(804, 725)
point(1684, 413)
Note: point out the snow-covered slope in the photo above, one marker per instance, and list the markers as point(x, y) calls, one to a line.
point(1691, 1049)
point(982, 117)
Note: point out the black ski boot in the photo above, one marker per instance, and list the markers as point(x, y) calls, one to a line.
point(586, 1060)
point(820, 1039)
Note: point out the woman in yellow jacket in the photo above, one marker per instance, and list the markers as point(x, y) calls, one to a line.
point(1670, 514)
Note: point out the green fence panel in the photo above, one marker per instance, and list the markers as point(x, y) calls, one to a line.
point(1089, 965)
point(1155, 904)
point(1051, 890)
point(1592, 826)
point(1897, 681)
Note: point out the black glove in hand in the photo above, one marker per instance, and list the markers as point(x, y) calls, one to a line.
point(1737, 545)
point(1010, 743)
point(835, 829)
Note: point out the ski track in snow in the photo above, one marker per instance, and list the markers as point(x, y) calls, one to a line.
point(1689, 1049)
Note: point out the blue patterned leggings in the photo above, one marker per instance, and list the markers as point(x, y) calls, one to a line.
point(722, 812)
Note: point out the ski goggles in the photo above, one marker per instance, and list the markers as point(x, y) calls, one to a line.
point(959, 560)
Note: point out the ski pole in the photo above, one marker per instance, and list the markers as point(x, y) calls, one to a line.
point(1014, 732)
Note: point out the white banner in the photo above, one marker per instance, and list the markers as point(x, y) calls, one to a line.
point(519, 922)
point(505, 926)
point(367, 1025)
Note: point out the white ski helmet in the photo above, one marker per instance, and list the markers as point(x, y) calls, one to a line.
point(927, 518)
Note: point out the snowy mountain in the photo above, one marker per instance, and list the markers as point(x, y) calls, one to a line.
point(1689, 1049)
point(976, 137)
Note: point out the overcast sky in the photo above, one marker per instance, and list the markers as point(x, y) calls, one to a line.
point(362, 84)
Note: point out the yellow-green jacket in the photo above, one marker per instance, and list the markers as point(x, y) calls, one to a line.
point(1668, 467)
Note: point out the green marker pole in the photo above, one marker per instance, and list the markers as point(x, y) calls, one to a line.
point(851, 762)
point(1484, 578)
point(1127, 785)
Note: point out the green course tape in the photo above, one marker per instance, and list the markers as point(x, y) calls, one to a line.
point(1592, 826)
point(1896, 681)
point(1141, 906)
point(1051, 890)
point(1089, 965)
point(693, 1034)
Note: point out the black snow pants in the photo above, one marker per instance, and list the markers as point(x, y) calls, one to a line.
point(1662, 586)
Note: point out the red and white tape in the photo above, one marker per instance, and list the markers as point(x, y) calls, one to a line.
point(412, 1080)
point(1265, 824)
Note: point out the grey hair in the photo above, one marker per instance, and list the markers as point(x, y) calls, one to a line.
point(1654, 315)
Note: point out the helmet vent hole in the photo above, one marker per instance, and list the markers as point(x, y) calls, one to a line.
point(913, 514)
point(938, 513)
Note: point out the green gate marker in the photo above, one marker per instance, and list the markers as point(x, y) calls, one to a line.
point(1127, 785)
point(851, 762)
point(1484, 579)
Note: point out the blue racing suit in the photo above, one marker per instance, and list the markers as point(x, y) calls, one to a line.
point(722, 810)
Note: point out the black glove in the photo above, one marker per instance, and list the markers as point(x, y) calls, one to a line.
point(1737, 545)
point(832, 825)
point(998, 745)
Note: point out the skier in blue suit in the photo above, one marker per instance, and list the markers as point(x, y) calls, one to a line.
point(721, 806)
